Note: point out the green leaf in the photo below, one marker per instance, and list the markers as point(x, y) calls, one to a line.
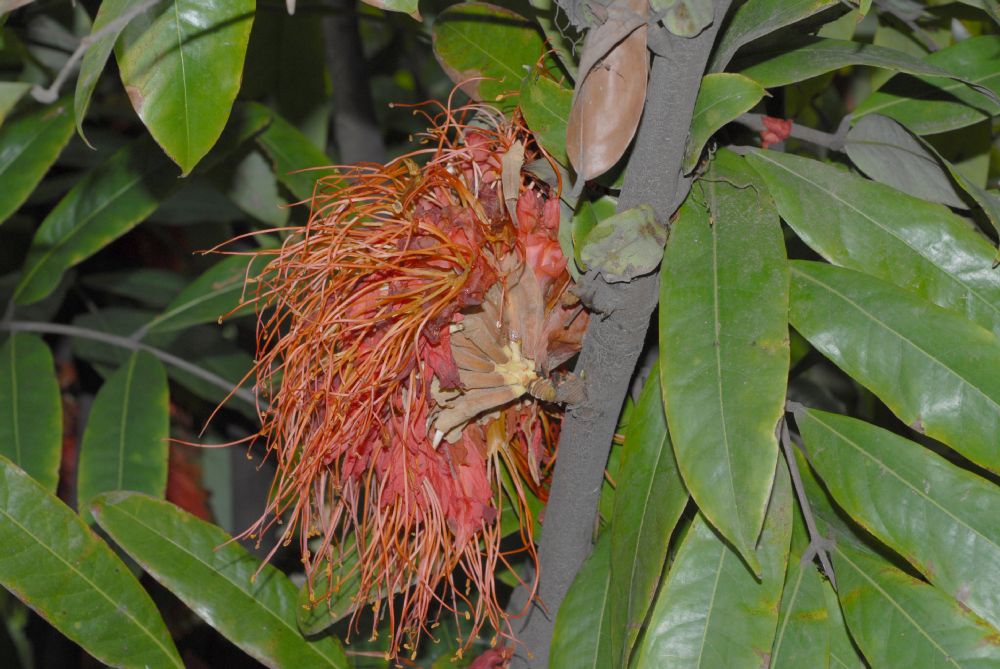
point(250, 183)
point(711, 611)
point(939, 517)
point(724, 347)
point(30, 409)
point(643, 519)
point(10, 93)
point(685, 18)
point(316, 616)
point(29, 145)
point(757, 18)
point(405, 6)
point(124, 445)
point(939, 373)
point(475, 39)
point(215, 577)
point(152, 287)
point(53, 563)
point(626, 245)
point(809, 57)
point(546, 105)
point(181, 63)
point(581, 637)
point(721, 98)
point(988, 6)
point(294, 157)
point(887, 152)
point(870, 227)
point(929, 628)
point(803, 636)
point(843, 653)
point(931, 105)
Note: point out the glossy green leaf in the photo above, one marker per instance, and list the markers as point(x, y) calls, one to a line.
point(711, 611)
point(30, 408)
point(125, 445)
point(888, 153)
point(933, 368)
point(476, 39)
point(803, 635)
point(721, 98)
point(626, 245)
point(876, 229)
point(316, 614)
point(643, 519)
point(53, 563)
point(928, 628)
point(294, 157)
point(939, 517)
point(809, 56)
point(724, 347)
point(215, 577)
point(581, 639)
point(931, 105)
point(10, 93)
point(546, 105)
point(181, 63)
point(29, 145)
point(756, 18)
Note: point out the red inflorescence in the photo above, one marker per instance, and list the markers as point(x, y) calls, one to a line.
point(404, 336)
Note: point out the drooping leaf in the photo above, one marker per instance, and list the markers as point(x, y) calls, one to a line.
point(29, 145)
point(124, 445)
point(803, 635)
point(486, 49)
point(931, 105)
point(295, 158)
point(215, 577)
point(643, 519)
point(887, 152)
point(181, 63)
point(626, 245)
point(938, 372)
point(757, 18)
point(721, 98)
point(870, 227)
point(711, 611)
point(724, 347)
point(546, 105)
point(581, 639)
point(929, 628)
point(10, 93)
point(53, 563)
point(30, 409)
point(939, 517)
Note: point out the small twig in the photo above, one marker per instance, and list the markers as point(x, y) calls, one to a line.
point(833, 141)
point(51, 94)
point(131, 345)
point(819, 546)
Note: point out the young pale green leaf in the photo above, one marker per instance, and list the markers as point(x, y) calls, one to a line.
point(803, 636)
point(809, 57)
point(931, 105)
point(30, 408)
point(887, 152)
point(876, 229)
point(295, 158)
point(643, 519)
point(937, 371)
point(125, 444)
point(711, 610)
point(546, 105)
point(721, 98)
point(939, 517)
point(724, 347)
point(217, 578)
point(756, 18)
point(29, 145)
point(181, 63)
point(929, 628)
point(581, 639)
point(53, 563)
point(473, 40)
point(626, 245)
point(10, 93)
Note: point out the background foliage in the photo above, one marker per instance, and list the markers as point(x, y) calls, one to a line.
point(806, 477)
